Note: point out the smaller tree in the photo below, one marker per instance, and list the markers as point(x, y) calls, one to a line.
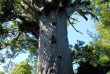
point(1, 72)
point(21, 68)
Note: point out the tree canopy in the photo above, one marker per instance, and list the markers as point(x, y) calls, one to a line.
point(103, 28)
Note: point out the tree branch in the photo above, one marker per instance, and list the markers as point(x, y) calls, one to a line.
point(73, 26)
point(32, 8)
point(93, 15)
point(18, 35)
point(75, 6)
point(82, 14)
point(32, 13)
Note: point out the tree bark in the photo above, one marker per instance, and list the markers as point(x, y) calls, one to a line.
point(54, 55)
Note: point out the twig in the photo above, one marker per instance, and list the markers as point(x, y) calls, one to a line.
point(74, 19)
point(18, 35)
point(73, 26)
point(32, 13)
point(82, 14)
point(32, 8)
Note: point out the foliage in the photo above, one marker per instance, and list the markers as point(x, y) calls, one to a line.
point(21, 68)
point(85, 53)
point(102, 40)
point(90, 58)
point(1, 72)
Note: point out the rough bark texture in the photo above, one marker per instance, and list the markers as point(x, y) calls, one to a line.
point(54, 54)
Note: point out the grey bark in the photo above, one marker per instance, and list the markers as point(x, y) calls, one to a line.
point(54, 54)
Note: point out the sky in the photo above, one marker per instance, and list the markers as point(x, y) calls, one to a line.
point(81, 26)
point(73, 36)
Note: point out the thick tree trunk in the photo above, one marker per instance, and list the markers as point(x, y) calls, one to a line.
point(54, 54)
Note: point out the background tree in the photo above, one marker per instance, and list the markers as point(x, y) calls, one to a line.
point(22, 68)
point(103, 28)
point(101, 40)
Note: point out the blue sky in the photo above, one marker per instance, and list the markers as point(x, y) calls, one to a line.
point(81, 26)
point(73, 36)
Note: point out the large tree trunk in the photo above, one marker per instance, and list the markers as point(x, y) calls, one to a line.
point(54, 55)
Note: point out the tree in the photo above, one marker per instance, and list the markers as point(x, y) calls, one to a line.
point(102, 39)
point(47, 21)
point(102, 11)
point(21, 68)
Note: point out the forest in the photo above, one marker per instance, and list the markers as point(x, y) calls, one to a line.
point(39, 29)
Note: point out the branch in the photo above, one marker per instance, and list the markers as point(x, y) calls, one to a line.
point(18, 36)
point(20, 17)
point(27, 11)
point(93, 15)
point(32, 8)
point(75, 6)
point(73, 19)
point(82, 14)
point(73, 26)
